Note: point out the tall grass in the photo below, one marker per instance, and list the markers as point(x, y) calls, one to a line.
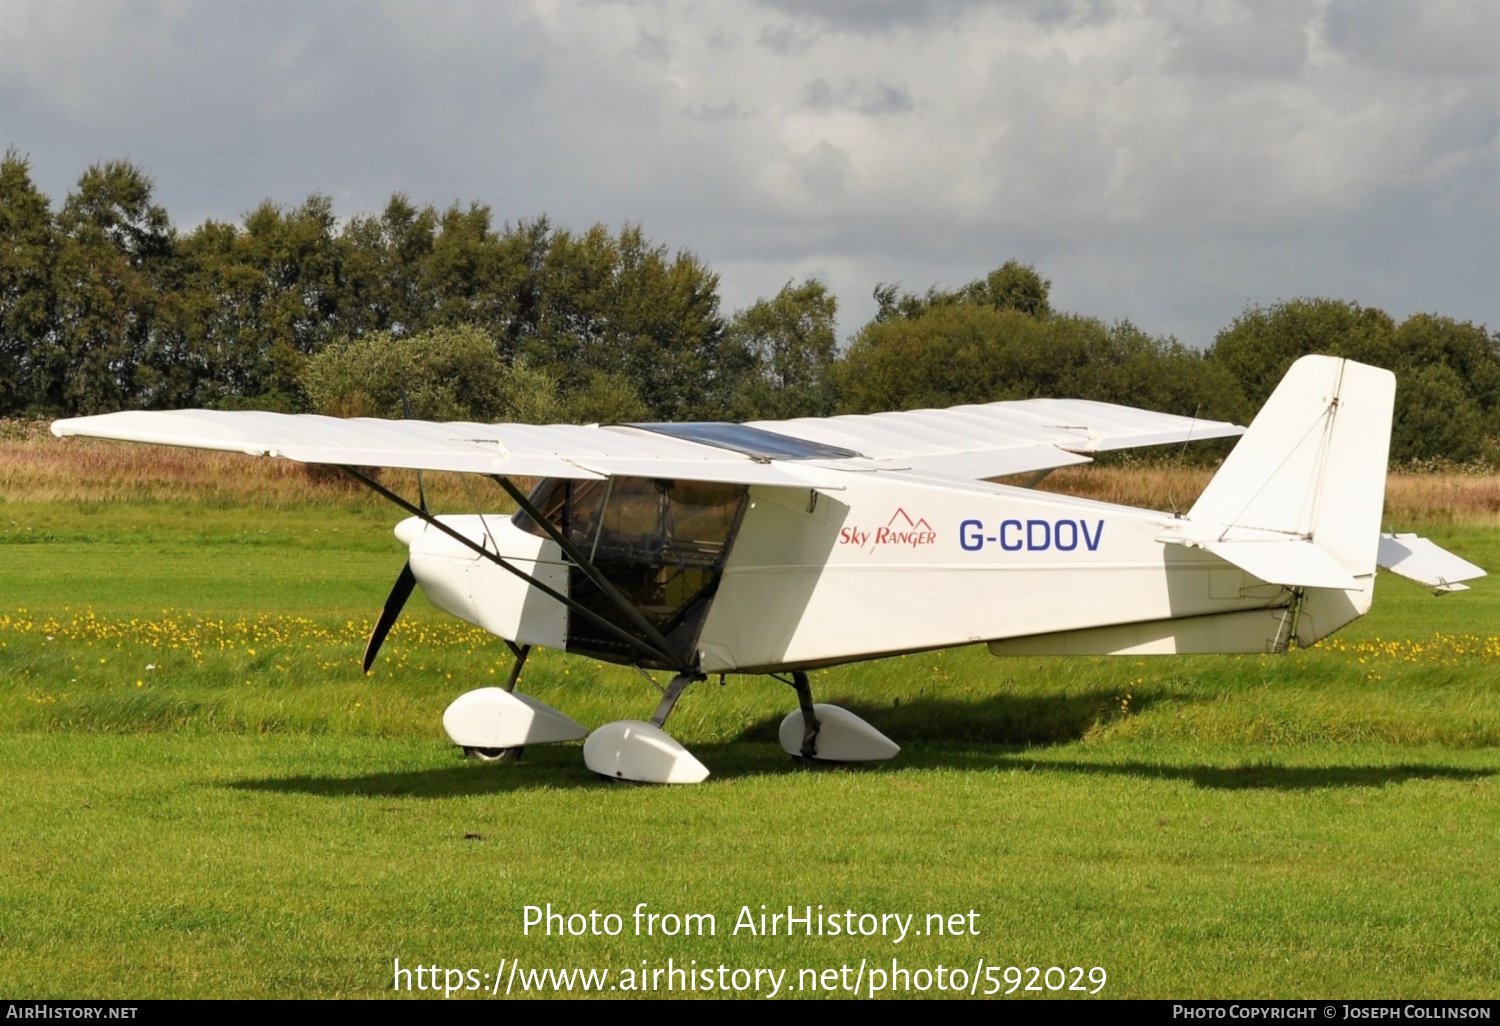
point(37, 467)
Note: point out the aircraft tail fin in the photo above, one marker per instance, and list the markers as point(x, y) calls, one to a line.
point(1311, 469)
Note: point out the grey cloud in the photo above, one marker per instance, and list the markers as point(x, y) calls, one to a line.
point(653, 48)
point(867, 17)
point(247, 101)
point(730, 111)
point(1442, 37)
point(787, 40)
point(1117, 156)
point(872, 100)
point(1262, 40)
point(824, 171)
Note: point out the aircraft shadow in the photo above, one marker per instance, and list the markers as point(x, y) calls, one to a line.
point(1016, 721)
point(554, 766)
point(1003, 733)
point(561, 768)
point(1028, 720)
point(1254, 776)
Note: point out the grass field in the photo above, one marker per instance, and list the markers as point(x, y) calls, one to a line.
point(202, 797)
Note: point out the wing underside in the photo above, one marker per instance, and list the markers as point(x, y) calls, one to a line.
point(964, 442)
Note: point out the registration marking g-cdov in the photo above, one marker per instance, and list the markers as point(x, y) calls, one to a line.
point(1064, 535)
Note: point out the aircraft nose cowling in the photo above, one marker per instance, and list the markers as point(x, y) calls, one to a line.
point(458, 580)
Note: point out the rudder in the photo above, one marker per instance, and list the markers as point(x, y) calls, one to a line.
point(1313, 463)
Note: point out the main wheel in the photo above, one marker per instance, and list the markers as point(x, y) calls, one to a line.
point(495, 754)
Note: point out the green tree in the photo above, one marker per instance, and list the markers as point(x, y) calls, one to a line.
point(28, 255)
point(788, 348)
point(446, 373)
point(1012, 286)
point(256, 301)
point(475, 276)
point(1435, 417)
point(1259, 346)
point(1447, 389)
point(959, 353)
point(1447, 371)
point(602, 397)
point(383, 260)
point(214, 339)
point(625, 306)
point(114, 254)
point(297, 252)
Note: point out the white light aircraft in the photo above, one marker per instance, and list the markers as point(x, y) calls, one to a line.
point(778, 547)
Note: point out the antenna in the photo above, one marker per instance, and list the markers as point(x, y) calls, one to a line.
point(1181, 455)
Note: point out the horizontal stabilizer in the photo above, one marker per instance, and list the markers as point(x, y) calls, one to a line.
point(1294, 564)
point(1426, 563)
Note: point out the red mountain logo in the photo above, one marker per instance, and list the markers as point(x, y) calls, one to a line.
point(899, 530)
point(905, 517)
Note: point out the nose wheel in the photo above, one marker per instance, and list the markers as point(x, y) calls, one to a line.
point(494, 754)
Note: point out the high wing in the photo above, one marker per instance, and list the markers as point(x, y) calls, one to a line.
point(512, 450)
point(996, 439)
point(969, 442)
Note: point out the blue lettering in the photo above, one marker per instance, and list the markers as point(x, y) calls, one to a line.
point(1031, 526)
point(1092, 543)
point(1006, 526)
point(971, 542)
point(1057, 535)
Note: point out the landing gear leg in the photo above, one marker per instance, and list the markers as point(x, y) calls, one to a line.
point(520, 652)
point(810, 724)
point(669, 699)
point(506, 754)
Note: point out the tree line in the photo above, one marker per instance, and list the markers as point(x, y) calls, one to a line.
point(105, 304)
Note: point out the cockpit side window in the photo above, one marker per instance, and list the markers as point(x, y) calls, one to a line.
point(660, 543)
point(640, 519)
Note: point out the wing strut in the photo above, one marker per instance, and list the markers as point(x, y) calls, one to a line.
point(669, 657)
point(585, 564)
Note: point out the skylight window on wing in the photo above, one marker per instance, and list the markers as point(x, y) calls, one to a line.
point(756, 443)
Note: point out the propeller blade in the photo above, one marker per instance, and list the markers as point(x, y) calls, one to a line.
point(392, 609)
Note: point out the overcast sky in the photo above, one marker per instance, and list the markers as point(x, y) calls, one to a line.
point(1167, 162)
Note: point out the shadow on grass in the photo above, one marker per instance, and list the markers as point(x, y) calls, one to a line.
point(997, 720)
point(561, 767)
point(1004, 720)
point(1256, 776)
point(558, 766)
